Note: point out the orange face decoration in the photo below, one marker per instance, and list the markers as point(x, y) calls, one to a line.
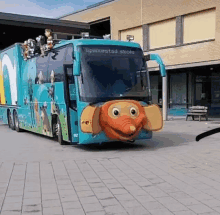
point(121, 119)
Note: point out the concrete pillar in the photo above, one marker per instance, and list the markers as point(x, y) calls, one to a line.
point(164, 85)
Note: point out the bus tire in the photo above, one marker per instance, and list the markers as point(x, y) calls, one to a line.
point(59, 132)
point(16, 122)
point(10, 121)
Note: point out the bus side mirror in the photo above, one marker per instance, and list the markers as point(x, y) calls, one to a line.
point(158, 59)
point(77, 64)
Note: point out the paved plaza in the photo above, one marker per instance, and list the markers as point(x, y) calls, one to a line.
point(170, 174)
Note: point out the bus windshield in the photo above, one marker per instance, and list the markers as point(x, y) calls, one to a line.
point(112, 72)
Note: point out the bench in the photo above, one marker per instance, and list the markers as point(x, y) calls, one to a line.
point(200, 111)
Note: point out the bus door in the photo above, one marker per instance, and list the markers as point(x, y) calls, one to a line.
point(70, 97)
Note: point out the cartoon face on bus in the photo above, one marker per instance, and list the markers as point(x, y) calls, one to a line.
point(121, 119)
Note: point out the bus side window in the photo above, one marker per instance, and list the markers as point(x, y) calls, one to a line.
point(42, 72)
point(68, 62)
point(56, 64)
point(69, 54)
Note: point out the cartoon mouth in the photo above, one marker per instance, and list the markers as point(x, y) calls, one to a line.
point(124, 136)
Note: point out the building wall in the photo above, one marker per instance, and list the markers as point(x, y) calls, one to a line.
point(136, 32)
point(161, 17)
point(185, 33)
point(124, 14)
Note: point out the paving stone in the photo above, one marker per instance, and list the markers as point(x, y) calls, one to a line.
point(118, 191)
point(69, 198)
point(201, 196)
point(179, 195)
point(84, 194)
point(114, 209)
point(32, 208)
point(153, 205)
point(187, 212)
point(32, 188)
point(166, 200)
point(200, 208)
point(11, 213)
point(32, 201)
point(11, 206)
point(35, 213)
point(50, 196)
point(92, 207)
point(53, 211)
point(124, 197)
point(88, 200)
point(47, 191)
point(211, 203)
point(188, 201)
point(51, 203)
point(13, 199)
point(14, 193)
point(28, 195)
point(96, 213)
point(175, 207)
point(67, 192)
point(82, 188)
point(216, 209)
point(96, 184)
point(137, 210)
point(102, 196)
point(65, 187)
point(211, 213)
point(73, 205)
point(100, 189)
point(145, 198)
point(108, 202)
point(160, 212)
point(77, 211)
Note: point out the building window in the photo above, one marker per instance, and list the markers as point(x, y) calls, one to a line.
point(199, 26)
point(162, 34)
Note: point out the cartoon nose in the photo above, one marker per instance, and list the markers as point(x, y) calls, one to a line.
point(132, 128)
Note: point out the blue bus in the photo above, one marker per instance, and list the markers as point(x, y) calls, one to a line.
point(82, 91)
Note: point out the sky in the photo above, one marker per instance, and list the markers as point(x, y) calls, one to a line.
point(44, 8)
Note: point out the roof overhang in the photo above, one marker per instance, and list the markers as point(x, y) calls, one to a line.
point(56, 25)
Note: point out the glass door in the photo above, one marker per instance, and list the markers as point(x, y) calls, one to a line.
point(203, 91)
point(70, 92)
point(178, 94)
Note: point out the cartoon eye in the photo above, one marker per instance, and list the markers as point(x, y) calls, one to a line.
point(133, 111)
point(115, 111)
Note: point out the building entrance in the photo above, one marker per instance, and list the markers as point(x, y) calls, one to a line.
point(203, 90)
point(207, 90)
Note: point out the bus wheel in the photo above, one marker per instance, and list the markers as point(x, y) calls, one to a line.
point(59, 132)
point(16, 122)
point(10, 121)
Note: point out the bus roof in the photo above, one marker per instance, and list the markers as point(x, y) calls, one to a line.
point(78, 42)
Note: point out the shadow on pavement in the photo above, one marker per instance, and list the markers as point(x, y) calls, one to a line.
point(160, 140)
point(164, 139)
